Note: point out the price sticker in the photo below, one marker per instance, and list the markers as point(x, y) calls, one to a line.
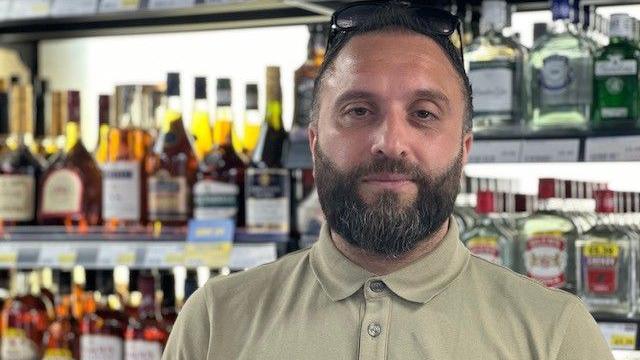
point(111, 255)
point(620, 336)
point(496, 151)
point(8, 256)
point(551, 150)
point(246, 256)
point(119, 5)
point(170, 4)
point(164, 256)
point(615, 148)
point(22, 9)
point(75, 7)
point(62, 256)
point(215, 255)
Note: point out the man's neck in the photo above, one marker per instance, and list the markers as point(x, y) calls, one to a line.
point(382, 265)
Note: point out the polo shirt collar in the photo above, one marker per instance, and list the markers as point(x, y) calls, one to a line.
point(418, 282)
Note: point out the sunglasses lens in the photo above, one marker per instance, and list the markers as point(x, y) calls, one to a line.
point(352, 17)
point(438, 21)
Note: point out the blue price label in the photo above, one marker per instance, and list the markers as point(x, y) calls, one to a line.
point(211, 231)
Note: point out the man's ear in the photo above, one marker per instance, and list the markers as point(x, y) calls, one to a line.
point(467, 142)
point(312, 133)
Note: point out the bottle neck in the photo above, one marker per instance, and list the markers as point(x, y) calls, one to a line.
point(273, 114)
point(72, 134)
point(172, 113)
point(223, 126)
point(560, 26)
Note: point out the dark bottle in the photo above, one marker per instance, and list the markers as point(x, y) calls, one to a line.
point(61, 341)
point(190, 283)
point(168, 308)
point(267, 182)
point(25, 318)
point(42, 108)
point(171, 170)
point(72, 186)
point(146, 334)
point(20, 169)
point(4, 115)
point(219, 190)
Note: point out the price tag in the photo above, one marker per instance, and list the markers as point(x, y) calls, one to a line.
point(215, 255)
point(565, 150)
point(620, 336)
point(21, 9)
point(615, 148)
point(111, 255)
point(159, 256)
point(4, 9)
point(170, 4)
point(209, 243)
point(246, 256)
point(73, 7)
point(8, 256)
point(496, 151)
point(63, 256)
point(119, 5)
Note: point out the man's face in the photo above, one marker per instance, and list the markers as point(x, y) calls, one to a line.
point(389, 146)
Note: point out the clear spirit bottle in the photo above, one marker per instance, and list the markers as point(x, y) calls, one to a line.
point(606, 261)
point(561, 71)
point(487, 239)
point(615, 86)
point(547, 240)
point(495, 62)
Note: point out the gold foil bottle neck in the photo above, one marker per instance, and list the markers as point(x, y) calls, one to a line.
point(273, 83)
point(21, 109)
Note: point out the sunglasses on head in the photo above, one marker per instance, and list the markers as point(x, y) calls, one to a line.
point(435, 21)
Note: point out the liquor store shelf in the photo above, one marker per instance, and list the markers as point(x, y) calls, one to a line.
point(35, 247)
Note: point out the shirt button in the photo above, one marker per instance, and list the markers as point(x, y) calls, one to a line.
point(377, 286)
point(374, 329)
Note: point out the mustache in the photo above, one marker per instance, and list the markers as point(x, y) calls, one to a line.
point(388, 165)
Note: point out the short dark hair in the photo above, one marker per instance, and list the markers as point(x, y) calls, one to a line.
point(396, 19)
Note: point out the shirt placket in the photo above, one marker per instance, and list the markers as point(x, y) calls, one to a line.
point(374, 332)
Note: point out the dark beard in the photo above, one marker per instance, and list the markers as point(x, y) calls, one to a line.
point(385, 227)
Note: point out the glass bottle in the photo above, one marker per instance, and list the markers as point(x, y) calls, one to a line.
point(61, 341)
point(486, 239)
point(605, 261)
point(146, 333)
point(168, 307)
point(123, 184)
point(20, 169)
point(190, 283)
point(72, 186)
point(105, 123)
point(4, 115)
point(561, 73)
point(267, 182)
point(252, 120)
point(172, 169)
point(495, 64)
point(24, 320)
point(200, 125)
point(547, 240)
point(54, 142)
point(219, 190)
point(42, 109)
point(615, 85)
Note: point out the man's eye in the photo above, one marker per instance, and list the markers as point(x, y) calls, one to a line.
point(358, 111)
point(423, 115)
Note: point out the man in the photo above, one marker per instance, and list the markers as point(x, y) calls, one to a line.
point(388, 278)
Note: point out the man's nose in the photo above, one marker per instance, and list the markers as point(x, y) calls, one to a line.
point(391, 138)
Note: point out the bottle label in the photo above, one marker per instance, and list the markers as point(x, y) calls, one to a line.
point(62, 193)
point(215, 200)
point(485, 247)
point(616, 65)
point(100, 347)
point(267, 195)
point(17, 346)
point(121, 190)
point(600, 261)
point(492, 83)
point(565, 81)
point(17, 197)
point(58, 354)
point(168, 197)
point(304, 99)
point(142, 350)
point(545, 258)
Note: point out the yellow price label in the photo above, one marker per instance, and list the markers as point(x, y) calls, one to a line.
point(483, 241)
point(211, 255)
point(127, 259)
point(623, 340)
point(9, 258)
point(601, 250)
point(67, 259)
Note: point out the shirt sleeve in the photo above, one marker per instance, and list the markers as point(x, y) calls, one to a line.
point(189, 339)
point(583, 339)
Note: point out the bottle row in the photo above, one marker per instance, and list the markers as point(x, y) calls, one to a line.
point(80, 314)
point(569, 80)
point(576, 236)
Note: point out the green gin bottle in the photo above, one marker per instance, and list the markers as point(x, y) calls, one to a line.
point(615, 85)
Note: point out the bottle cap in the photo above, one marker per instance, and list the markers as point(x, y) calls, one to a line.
point(73, 106)
point(621, 25)
point(605, 201)
point(485, 202)
point(251, 97)
point(273, 83)
point(173, 84)
point(494, 15)
point(546, 188)
point(21, 108)
point(223, 92)
point(560, 9)
point(201, 88)
point(104, 110)
point(40, 87)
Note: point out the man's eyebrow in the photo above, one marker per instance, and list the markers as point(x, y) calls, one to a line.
point(435, 96)
point(354, 95)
